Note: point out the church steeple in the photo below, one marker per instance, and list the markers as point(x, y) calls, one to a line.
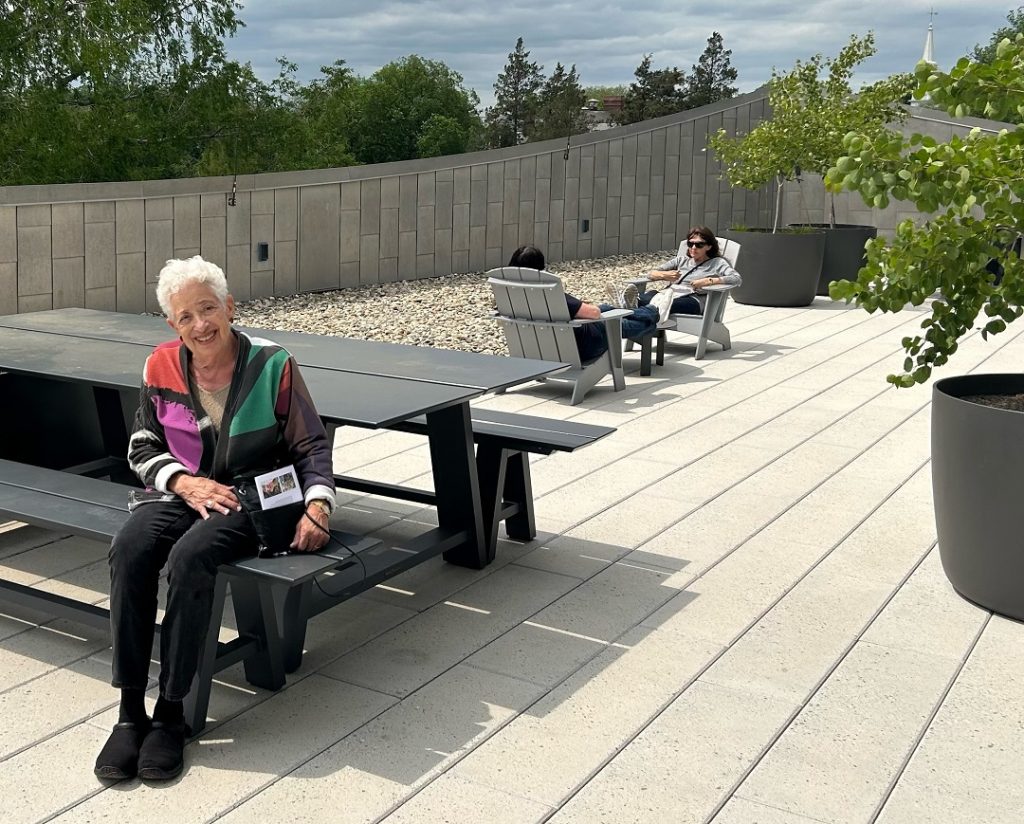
point(929, 40)
point(929, 54)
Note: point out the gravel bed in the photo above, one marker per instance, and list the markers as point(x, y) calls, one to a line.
point(452, 312)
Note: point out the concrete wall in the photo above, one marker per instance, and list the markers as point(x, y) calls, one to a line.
point(631, 189)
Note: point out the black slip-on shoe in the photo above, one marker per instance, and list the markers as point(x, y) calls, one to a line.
point(119, 757)
point(161, 756)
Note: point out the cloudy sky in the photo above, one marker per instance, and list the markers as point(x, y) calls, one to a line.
point(606, 39)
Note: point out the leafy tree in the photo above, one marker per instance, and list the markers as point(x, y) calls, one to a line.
point(655, 93)
point(987, 53)
point(56, 44)
point(712, 77)
point(268, 127)
point(973, 187)
point(559, 106)
point(389, 111)
point(122, 89)
point(322, 109)
point(515, 99)
point(810, 117)
point(441, 135)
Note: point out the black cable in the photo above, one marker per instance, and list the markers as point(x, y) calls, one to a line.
point(339, 542)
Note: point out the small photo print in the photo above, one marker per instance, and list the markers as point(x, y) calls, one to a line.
point(278, 487)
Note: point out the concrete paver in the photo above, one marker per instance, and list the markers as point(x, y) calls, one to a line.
point(734, 611)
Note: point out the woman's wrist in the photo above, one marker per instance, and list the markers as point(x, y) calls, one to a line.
point(320, 505)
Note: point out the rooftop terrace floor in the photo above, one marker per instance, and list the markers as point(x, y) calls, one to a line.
point(734, 612)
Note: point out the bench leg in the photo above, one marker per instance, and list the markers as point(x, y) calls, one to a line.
point(661, 348)
point(197, 702)
point(256, 618)
point(523, 526)
point(505, 478)
point(296, 616)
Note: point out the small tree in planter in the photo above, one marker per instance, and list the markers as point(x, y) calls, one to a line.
point(974, 187)
point(810, 116)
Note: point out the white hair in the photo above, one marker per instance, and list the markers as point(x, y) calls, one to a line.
point(177, 274)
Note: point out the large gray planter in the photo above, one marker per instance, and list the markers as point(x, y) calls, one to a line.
point(844, 251)
point(779, 269)
point(978, 488)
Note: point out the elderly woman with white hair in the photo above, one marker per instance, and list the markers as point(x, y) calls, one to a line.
point(216, 406)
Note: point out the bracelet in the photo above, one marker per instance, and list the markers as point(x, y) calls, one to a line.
point(322, 505)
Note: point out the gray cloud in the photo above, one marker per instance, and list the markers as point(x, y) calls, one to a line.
point(606, 40)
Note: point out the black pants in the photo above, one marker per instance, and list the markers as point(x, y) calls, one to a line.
point(170, 533)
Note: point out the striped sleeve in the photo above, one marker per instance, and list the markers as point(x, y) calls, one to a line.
point(149, 456)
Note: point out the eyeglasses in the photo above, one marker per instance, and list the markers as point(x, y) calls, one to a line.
point(696, 244)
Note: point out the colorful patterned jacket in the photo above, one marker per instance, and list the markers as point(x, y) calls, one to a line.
point(269, 421)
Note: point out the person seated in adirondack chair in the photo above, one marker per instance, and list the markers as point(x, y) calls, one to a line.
point(592, 338)
point(700, 267)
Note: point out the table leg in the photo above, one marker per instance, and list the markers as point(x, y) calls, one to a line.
point(456, 485)
point(491, 462)
point(113, 426)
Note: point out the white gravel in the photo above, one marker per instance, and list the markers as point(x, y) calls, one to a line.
point(452, 312)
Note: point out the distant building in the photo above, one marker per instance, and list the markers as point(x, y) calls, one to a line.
point(598, 113)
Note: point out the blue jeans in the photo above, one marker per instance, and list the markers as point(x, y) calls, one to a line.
point(594, 342)
point(686, 305)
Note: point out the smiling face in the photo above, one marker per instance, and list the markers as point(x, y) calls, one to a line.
point(698, 252)
point(202, 321)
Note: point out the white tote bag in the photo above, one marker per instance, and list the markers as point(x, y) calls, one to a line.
point(663, 300)
point(663, 303)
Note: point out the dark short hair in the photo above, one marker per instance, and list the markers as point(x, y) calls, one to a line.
point(705, 234)
point(529, 257)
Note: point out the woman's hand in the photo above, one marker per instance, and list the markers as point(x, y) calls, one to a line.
point(204, 495)
point(702, 283)
point(310, 536)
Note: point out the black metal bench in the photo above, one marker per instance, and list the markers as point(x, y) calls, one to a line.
point(268, 594)
point(273, 598)
point(504, 441)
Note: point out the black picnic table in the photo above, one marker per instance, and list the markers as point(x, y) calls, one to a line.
point(487, 373)
point(74, 376)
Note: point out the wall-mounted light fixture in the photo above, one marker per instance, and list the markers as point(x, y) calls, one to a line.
point(262, 252)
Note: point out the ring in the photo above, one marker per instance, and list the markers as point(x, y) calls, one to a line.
point(209, 503)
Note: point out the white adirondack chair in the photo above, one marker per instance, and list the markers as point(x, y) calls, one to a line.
point(707, 327)
point(535, 318)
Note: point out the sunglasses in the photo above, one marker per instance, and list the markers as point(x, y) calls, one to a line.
point(696, 244)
